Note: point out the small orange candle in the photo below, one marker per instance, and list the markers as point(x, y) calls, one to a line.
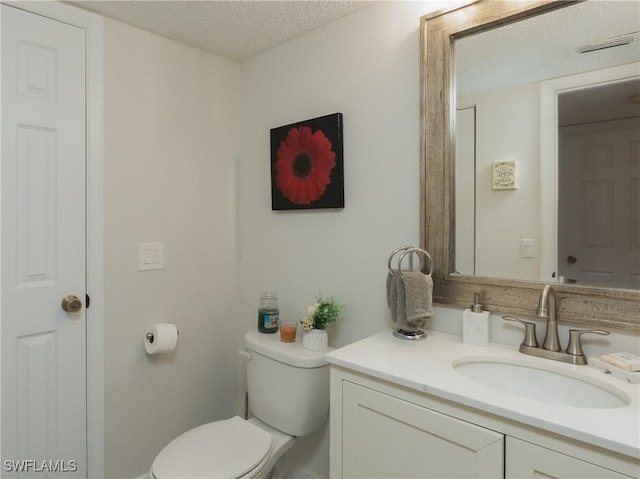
point(288, 332)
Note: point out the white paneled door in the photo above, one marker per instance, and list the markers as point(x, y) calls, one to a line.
point(43, 247)
point(599, 222)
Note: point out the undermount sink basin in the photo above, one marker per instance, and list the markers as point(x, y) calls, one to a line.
point(553, 386)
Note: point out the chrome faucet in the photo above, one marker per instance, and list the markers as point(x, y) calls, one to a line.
point(551, 345)
point(547, 310)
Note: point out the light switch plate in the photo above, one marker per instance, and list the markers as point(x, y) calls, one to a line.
point(528, 248)
point(151, 256)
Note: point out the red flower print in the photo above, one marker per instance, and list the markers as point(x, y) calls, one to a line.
point(304, 164)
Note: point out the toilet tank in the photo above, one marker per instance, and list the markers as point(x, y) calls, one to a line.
point(287, 385)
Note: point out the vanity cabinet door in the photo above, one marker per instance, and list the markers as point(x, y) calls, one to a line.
point(526, 460)
point(386, 437)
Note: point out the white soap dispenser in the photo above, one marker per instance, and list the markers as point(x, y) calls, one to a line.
point(475, 324)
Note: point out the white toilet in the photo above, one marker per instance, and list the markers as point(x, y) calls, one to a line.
point(288, 390)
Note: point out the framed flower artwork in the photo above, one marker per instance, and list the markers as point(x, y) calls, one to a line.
point(307, 165)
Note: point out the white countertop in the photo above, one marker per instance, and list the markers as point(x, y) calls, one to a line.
point(427, 366)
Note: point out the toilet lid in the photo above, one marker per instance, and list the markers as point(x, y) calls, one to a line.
point(223, 449)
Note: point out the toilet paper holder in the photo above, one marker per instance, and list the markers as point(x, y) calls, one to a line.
point(149, 336)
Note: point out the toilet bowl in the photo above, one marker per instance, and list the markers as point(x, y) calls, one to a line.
point(288, 391)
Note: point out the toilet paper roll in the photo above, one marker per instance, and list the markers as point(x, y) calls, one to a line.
point(160, 338)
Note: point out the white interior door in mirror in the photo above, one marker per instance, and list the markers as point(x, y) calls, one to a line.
point(598, 219)
point(465, 155)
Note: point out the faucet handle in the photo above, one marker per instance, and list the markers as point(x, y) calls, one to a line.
point(575, 343)
point(529, 331)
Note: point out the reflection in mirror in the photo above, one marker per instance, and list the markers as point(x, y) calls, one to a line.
point(599, 186)
point(607, 307)
point(562, 106)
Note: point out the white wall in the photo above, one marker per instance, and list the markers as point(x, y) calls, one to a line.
point(507, 128)
point(171, 128)
point(367, 67)
point(372, 77)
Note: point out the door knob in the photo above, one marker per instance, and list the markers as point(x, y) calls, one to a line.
point(71, 303)
point(571, 259)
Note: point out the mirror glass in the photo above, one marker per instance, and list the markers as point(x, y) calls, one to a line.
point(547, 148)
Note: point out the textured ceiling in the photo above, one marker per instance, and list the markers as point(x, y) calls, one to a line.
point(544, 47)
point(235, 29)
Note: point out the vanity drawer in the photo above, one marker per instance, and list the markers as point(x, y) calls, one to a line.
point(384, 436)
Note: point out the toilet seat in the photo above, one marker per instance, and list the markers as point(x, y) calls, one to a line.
point(230, 448)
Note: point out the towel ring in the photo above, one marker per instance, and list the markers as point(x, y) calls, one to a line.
point(411, 250)
point(408, 332)
point(404, 248)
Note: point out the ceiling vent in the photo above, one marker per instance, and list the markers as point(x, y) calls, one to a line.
point(610, 43)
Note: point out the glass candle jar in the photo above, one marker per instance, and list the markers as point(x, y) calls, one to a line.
point(268, 313)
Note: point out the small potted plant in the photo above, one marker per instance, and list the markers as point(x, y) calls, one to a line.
point(319, 316)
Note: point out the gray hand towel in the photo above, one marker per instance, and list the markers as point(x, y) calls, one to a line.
point(414, 293)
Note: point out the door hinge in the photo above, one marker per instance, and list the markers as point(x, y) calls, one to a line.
point(87, 301)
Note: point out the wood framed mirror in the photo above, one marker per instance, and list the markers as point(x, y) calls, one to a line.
point(589, 305)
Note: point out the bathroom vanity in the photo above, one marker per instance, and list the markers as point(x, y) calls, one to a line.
point(439, 408)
